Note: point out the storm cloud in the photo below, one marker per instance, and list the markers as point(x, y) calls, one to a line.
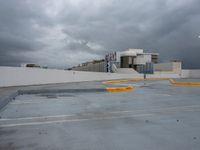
point(63, 33)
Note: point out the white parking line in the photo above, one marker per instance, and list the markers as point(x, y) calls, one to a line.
point(176, 108)
point(187, 108)
point(160, 109)
point(71, 120)
point(39, 101)
point(39, 117)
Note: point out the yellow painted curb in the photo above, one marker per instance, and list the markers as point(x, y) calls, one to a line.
point(152, 79)
point(180, 83)
point(130, 88)
point(120, 89)
point(133, 80)
point(118, 81)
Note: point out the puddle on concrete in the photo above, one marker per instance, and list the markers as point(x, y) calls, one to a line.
point(55, 95)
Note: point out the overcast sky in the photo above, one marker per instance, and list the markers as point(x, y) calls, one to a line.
point(63, 33)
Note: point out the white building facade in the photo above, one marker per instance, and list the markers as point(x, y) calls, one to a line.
point(137, 59)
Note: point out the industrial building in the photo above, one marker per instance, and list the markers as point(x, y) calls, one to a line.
point(138, 60)
point(132, 59)
point(93, 66)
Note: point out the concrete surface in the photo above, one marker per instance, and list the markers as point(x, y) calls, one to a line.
point(154, 116)
point(174, 67)
point(190, 73)
point(8, 93)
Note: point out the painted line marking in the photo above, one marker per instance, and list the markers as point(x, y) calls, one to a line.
point(39, 102)
point(186, 108)
point(114, 112)
point(72, 120)
point(182, 83)
point(120, 89)
point(39, 117)
point(172, 81)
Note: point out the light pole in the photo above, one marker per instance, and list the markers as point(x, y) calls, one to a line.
point(144, 71)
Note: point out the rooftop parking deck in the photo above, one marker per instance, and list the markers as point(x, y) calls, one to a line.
point(156, 115)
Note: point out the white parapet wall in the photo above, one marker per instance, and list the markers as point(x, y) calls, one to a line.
point(190, 73)
point(18, 76)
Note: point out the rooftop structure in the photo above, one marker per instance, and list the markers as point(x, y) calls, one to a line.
point(133, 57)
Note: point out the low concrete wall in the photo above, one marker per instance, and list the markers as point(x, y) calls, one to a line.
point(17, 76)
point(163, 75)
point(190, 73)
point(174, 67)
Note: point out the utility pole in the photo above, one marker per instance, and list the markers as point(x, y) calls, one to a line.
point(145, 71)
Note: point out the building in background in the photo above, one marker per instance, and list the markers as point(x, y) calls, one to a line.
point(33, 66)
point(132, 59)
point(30, 65)
point(93, 66)
point(138, 60)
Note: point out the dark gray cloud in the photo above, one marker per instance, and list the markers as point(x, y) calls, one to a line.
point(62, 33)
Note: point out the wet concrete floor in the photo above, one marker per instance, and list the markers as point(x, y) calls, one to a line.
point(156, 115)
